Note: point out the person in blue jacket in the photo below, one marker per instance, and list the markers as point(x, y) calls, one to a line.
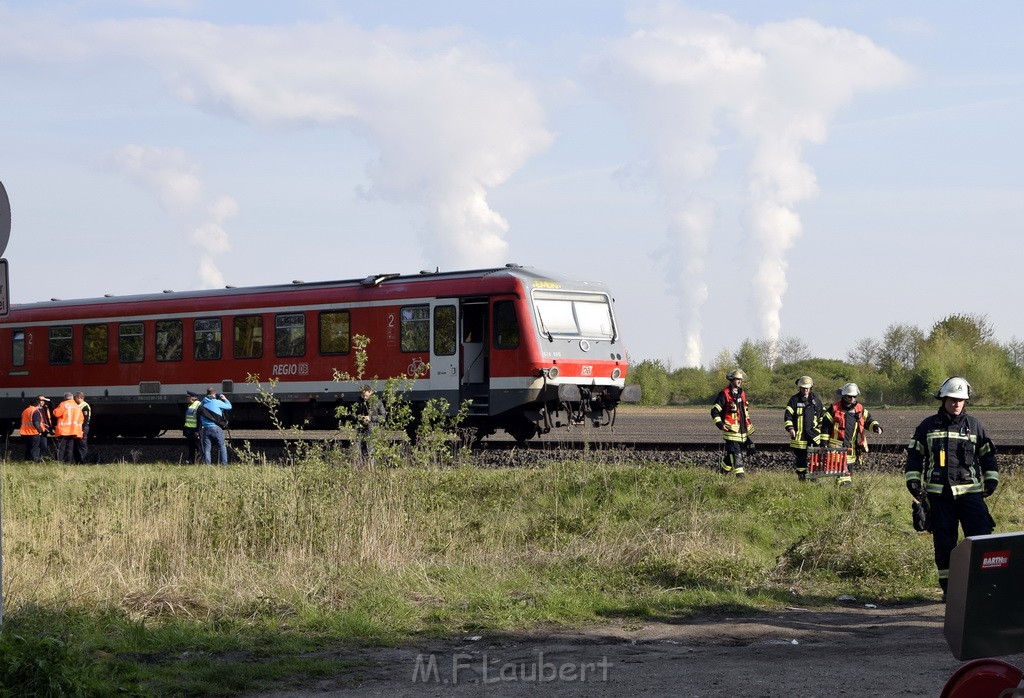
point(213, 421)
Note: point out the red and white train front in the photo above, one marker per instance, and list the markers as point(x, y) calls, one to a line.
point(572, 367)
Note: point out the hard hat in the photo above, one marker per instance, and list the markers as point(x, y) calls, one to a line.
point(850, 390)
point(955, 387)
point(737, 373)
point(805, 382)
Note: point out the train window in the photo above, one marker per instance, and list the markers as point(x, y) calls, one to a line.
point(335, 332)
point(444, 330)
point(95, 349)
point(18, 348)
point(130, 342)
point(415, 328)
point(290, 335)
point(206, 344)
point(506, 325)
point(574, 314)
point(170, 340)
point(249, 337)
point(60, 345)
point(594, 317)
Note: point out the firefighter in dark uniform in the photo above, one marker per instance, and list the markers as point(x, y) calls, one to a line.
point(731, 415)
point(800, 420)
point(845, 424)
point(951, 463)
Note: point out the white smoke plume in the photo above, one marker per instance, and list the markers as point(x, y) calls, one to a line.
point(682, 76)
point(174, 178)
point(448, 122)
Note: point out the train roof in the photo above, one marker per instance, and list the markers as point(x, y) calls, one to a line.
point(371, 281)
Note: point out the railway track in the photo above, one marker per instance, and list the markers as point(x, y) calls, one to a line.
point(659, 433)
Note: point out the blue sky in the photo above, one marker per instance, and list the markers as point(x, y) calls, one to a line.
point(809, 169)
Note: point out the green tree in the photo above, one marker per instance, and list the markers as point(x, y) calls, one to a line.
point(750, 357)
point(865, 352)
point(652, 377)
point(693, 386)
point(901, 345)
point(962, 345)
point(968, 330)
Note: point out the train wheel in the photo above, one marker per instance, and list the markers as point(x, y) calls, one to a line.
point(522, 431)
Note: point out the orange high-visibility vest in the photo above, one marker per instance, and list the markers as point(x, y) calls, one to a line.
point(69, 419)
point(27, 427)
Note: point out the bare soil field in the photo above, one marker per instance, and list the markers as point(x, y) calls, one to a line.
point(848, 650)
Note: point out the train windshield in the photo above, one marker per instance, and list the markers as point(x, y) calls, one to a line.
point(574, 314)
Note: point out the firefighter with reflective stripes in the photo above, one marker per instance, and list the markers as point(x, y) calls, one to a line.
point(845, 424)
point(951, 464)
point(69, 427)
point(731, 415)
point(34, 427)
point(800, 420)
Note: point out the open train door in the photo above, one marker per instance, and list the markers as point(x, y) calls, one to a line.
point(444, 351)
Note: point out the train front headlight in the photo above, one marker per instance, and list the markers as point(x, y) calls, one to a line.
point(553, 373)
point(616, 373)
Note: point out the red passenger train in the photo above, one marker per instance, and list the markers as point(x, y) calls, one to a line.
point(532, 351)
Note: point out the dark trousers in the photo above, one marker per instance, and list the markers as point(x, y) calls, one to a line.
point(194, 441)
point(732, 461)
point(799, 461)
point(968, 511)
point(34, 448)
point(365, 444)
point(66, 449)
point(82, 446)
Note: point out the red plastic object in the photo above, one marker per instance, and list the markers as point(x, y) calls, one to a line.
point(983, 678)
point(826, 462)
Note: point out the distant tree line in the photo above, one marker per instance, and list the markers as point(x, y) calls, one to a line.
point(903, 367)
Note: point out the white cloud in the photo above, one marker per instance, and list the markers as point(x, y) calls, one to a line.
point(175, 180)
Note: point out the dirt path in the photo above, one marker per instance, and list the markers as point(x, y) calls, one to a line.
point(844, 651)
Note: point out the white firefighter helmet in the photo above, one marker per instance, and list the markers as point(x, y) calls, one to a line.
point(737, 373)
point(850, 390)
point(805, 382)
point(955, 387)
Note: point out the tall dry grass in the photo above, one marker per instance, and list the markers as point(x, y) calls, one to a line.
point(398, 550)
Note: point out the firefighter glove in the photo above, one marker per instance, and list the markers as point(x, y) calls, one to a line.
point(915, 489)
point(751, 448)
point(878, 428)
point(990, 487)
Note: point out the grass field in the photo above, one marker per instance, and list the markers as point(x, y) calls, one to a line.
point(140, 579)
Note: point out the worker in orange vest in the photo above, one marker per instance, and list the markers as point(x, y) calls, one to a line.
point(34, 429)
point(69, 427)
